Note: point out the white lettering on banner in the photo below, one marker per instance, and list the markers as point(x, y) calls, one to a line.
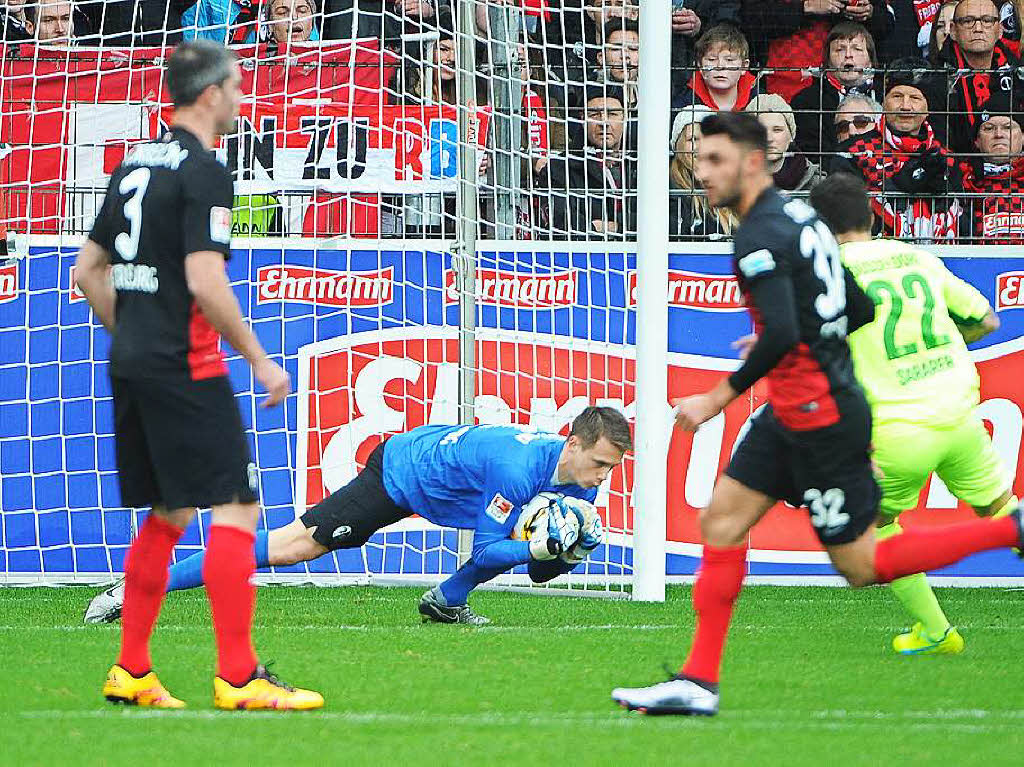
point(1008, 291)
point(137, 278)
point(8, 283)
point(325, 287)
point(527, 291)
point(1001, 224)
point(703, 292)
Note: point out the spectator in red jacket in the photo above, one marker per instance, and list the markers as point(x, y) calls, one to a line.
point(791, 34)
point(722, 80)
point(984, 63)
point(995, 178)
point(903, 163)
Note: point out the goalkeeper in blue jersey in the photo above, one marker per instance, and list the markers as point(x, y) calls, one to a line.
point(477, 478)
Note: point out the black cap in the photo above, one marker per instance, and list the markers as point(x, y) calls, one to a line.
point(915, 73)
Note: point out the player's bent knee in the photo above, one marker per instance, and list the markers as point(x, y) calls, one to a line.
point(720, 528)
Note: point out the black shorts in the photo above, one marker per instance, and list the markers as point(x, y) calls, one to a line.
point(180, 443)
point(827, 470)
point(351, 514)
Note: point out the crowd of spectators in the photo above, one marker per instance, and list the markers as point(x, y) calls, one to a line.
point(921, 98)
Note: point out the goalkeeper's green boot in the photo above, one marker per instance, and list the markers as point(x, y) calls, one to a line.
point(915, 642)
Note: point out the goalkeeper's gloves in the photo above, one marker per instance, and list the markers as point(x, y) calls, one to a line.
point(559, 534)
point(591, 531)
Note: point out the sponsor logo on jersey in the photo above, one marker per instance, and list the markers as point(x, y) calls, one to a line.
point(525, 290)
point(8, 283)
point(758, 262)
point(220, 224)
point(703, 292)
point(1001, 224)
point(325, 287)
point(499, 508)
point(1008, 291)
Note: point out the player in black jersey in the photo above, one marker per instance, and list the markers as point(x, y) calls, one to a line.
point(153, 271)
point(810, 443)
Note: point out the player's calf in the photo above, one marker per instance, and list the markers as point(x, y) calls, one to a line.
point(292, 544)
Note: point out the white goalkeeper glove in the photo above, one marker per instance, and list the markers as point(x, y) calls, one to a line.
point(591, 530)
point(559, 534)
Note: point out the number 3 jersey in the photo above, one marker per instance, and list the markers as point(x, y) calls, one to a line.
point(802, 302)
point(168, 198)
point(912, 360)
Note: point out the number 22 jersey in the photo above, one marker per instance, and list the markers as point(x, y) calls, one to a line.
point(167, 199)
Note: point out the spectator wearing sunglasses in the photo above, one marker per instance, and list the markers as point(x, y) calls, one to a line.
point(856, 115)
point(850, 63)
point(984, 64)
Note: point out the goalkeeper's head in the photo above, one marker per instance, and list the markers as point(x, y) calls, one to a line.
point(204, 82)
point(597, 441)
point(842, 202)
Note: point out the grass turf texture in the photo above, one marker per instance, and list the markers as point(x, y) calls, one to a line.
point(809, 679)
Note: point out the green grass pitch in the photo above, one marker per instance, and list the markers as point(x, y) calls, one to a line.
point(808, 679)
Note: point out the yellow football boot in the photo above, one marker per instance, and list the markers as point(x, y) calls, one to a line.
point(146, 690)
point(914, 642)
point(263, 691)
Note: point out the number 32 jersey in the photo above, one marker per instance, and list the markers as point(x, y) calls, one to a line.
point(168, 198)
point(783, 240)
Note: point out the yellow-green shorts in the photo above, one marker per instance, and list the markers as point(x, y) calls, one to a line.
point(961, 455)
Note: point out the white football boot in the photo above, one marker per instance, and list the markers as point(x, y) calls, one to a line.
point(105, 607)
point(676, 696)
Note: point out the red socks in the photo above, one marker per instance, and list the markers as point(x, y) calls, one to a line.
point(719, 581)
point(917, 550)
point(145, 581)
point(227, 568)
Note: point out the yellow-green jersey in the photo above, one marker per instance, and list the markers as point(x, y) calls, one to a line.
point(911, 360)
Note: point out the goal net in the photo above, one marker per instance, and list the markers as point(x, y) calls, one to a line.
point(434, 216)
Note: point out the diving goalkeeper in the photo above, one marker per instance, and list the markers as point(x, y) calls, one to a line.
point(913, 363)
point(469, 477)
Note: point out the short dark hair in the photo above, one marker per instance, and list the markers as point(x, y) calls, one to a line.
point(842, 202)
point(850, 30)
point(596, 422)
point(741, 128)
point(621, 24)
point(193, 67)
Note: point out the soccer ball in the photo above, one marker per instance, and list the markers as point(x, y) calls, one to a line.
point(534, 515)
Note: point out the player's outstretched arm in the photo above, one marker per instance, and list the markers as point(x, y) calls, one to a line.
point(208, 283)
point(92, 273)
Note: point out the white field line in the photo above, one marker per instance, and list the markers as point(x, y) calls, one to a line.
point(513, 629)
point(971, 720)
